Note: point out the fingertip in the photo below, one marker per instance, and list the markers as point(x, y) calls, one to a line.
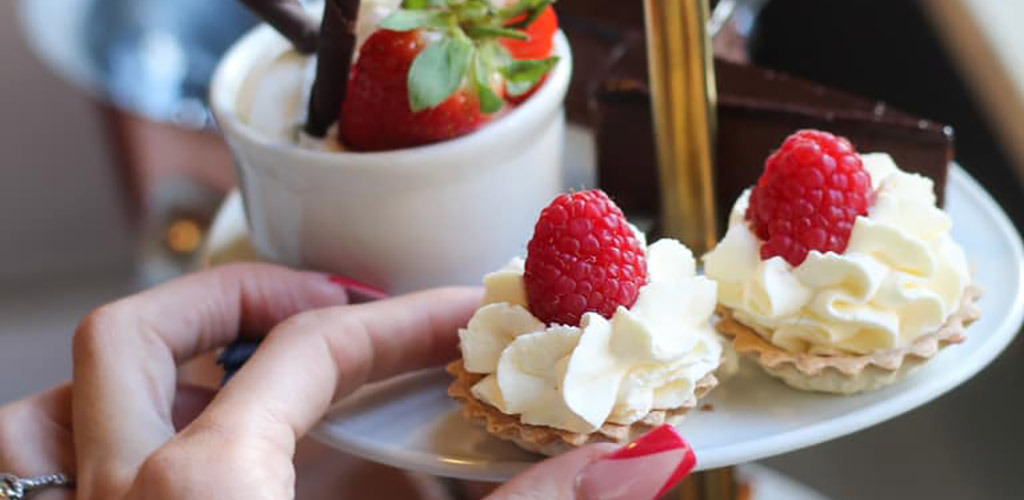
point(646, 468)
point(556, 477)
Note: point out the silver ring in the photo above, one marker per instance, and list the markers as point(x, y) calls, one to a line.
point(15, 488)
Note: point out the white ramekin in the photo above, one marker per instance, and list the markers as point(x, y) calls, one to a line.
point(402, 220)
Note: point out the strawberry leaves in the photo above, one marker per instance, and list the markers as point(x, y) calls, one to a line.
point(438, 71)
point(467, 51)
point(482, 70)
point(495, 32)
point(422, 4)
point(405, 20)
point(523, 75)
point(530, 9)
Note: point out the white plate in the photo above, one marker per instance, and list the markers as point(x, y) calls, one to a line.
point(411, 423)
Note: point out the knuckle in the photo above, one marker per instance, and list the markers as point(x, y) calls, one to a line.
point(236, 443)
point(210, 457)
point(99, 327)
point(161, 470)
point(313, 325)
point(304, 322)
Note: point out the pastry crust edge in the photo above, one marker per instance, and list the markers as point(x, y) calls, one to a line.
point(848, 374)
point(550, 440)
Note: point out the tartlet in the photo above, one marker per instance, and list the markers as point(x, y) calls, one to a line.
point(838, 272)
point(595, 337)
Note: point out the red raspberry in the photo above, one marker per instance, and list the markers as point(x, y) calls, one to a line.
point(583, 257)
point(811, 192)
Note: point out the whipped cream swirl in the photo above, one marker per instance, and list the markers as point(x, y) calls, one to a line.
point(576, 378)
point(901, 276)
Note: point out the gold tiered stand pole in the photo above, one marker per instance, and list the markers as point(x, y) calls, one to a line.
point(682, 85)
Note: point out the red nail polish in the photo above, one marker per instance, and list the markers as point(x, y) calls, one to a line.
point(661, 439)
point(358, 288)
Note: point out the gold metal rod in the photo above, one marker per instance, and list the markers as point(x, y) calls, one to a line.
point(714, 484)
point(683, 106)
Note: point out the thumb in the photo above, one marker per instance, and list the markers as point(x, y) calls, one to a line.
point(642, 470)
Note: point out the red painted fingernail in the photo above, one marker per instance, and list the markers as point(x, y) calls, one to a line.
point(644, 469)
point(662, 439)
point(361, 292)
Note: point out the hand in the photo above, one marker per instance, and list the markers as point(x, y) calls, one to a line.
point(139, 434)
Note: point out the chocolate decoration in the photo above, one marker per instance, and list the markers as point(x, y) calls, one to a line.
point(334, 58)
point(757, 109)
point(289, 18)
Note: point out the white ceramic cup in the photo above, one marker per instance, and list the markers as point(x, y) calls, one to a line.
point(402, 220)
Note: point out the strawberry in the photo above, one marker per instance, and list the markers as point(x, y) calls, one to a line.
point(376, 115)
point(541, 33)
point(431, 73)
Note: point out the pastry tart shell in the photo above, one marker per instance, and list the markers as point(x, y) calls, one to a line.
point(549, 440)
point(848, 374)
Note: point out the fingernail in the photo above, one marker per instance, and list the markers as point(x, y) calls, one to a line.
point(642, 470)
point(358, 291)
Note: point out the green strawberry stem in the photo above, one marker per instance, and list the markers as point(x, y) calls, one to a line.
point(535, 9)
point(467, 49)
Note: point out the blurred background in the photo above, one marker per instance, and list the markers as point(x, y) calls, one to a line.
point(111, 172)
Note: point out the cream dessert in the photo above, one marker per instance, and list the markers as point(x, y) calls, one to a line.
point(320, 201)
point(596, 336)
point(845, 277)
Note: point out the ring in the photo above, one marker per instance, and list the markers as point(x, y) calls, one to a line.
point(15, 488)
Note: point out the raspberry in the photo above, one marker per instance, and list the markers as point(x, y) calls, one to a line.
point(811, 192)
point(583, 257)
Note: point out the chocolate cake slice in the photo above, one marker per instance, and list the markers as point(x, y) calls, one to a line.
point(757, 109)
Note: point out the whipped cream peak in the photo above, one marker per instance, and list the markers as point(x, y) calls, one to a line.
point(669, 261)
point(647, 357)
point(900, 277)
point(503, 322)
point(506, 284)
point(529, 376)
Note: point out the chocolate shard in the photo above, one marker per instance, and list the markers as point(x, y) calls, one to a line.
point(290, 19)
point(335, 52)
